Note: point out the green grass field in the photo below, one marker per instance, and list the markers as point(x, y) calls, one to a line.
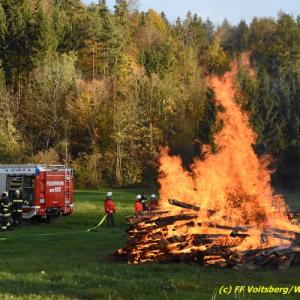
point(61, 261)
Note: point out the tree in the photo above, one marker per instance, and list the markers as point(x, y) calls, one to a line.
point(45, 114)
point(112, 41)
point(15, 50)
point(89, 61)
point(3, 26)
point(159, 60)
point(241, 37)
point(122, 13)
point(10, 139)
point(274, 108)
point(45, 40)
point(215, 59)
point(87, 112)
point(70, 15)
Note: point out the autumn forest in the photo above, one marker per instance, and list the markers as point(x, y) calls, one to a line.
point(101, 90)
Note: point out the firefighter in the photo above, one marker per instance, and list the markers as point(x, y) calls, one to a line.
point(138, 207)
point(110, 209)
point(17, 204)
point(5, 207)
point(153, 202)
point(144, 201)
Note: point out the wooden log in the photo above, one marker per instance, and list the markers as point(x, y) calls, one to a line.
point(244, 266)
point(235, 234)
point(271, 250)
point(177, 239)
point(135, 220)
point(281, 252)
point(246, 228)
point(286, 263)
point(225, 227)
point(264, 235)
point(211, 241)
point(147, 243)
point(208, 236)
point(296, 249)
point(275, 232)
point(163, 221)
point(147, 215)
point(251, 252)
point(263, 260)
point(153, 213)
point(215, 260)
point(184, 205)
point(283, 231)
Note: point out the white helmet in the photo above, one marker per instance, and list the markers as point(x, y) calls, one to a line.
point(139, 197)
point(17, 192)
point(153, 196)
point(109, 194)
point(4, 194)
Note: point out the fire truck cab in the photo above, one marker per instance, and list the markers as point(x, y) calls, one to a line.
point(48, 189)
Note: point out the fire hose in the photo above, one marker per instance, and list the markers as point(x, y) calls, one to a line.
point(98, 225)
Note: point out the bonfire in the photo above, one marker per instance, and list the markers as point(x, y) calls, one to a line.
point(223, 211)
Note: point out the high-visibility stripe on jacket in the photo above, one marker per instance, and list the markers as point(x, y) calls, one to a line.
point(17, 204)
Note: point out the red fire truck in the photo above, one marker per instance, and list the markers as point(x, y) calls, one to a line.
point(47, 188)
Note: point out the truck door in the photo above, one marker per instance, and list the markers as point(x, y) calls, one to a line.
point(55, 189)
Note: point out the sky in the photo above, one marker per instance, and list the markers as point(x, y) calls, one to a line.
point(218, 10)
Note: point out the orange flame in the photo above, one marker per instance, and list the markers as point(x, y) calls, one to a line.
point(233, 183)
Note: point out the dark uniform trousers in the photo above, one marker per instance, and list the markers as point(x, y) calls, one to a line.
point(110, 220)
point(17, 204)
point(5, 213)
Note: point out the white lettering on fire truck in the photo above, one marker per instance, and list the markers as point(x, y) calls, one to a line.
point(55, 183)
point(56, 189)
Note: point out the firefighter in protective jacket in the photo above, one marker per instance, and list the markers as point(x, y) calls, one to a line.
point(5, 210)
point(17, 204)
point(138, 206)
point(153, 202)
point(110, 209)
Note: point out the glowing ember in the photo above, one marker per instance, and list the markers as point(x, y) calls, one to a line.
point(238, 208)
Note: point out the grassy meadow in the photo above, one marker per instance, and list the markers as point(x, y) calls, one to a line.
point(61, 260)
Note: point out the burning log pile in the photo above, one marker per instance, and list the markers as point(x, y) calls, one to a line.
point(160, 238)
point(230, 215)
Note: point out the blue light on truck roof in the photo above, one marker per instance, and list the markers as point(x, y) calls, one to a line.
point(37, 171)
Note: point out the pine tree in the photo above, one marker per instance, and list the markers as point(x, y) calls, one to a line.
point(164, 17)
point(111, 38)
point(241, 36)
point(121, 11)
point(45, 41)
point(71, 15)
point(122, 21)
point(16, 57)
